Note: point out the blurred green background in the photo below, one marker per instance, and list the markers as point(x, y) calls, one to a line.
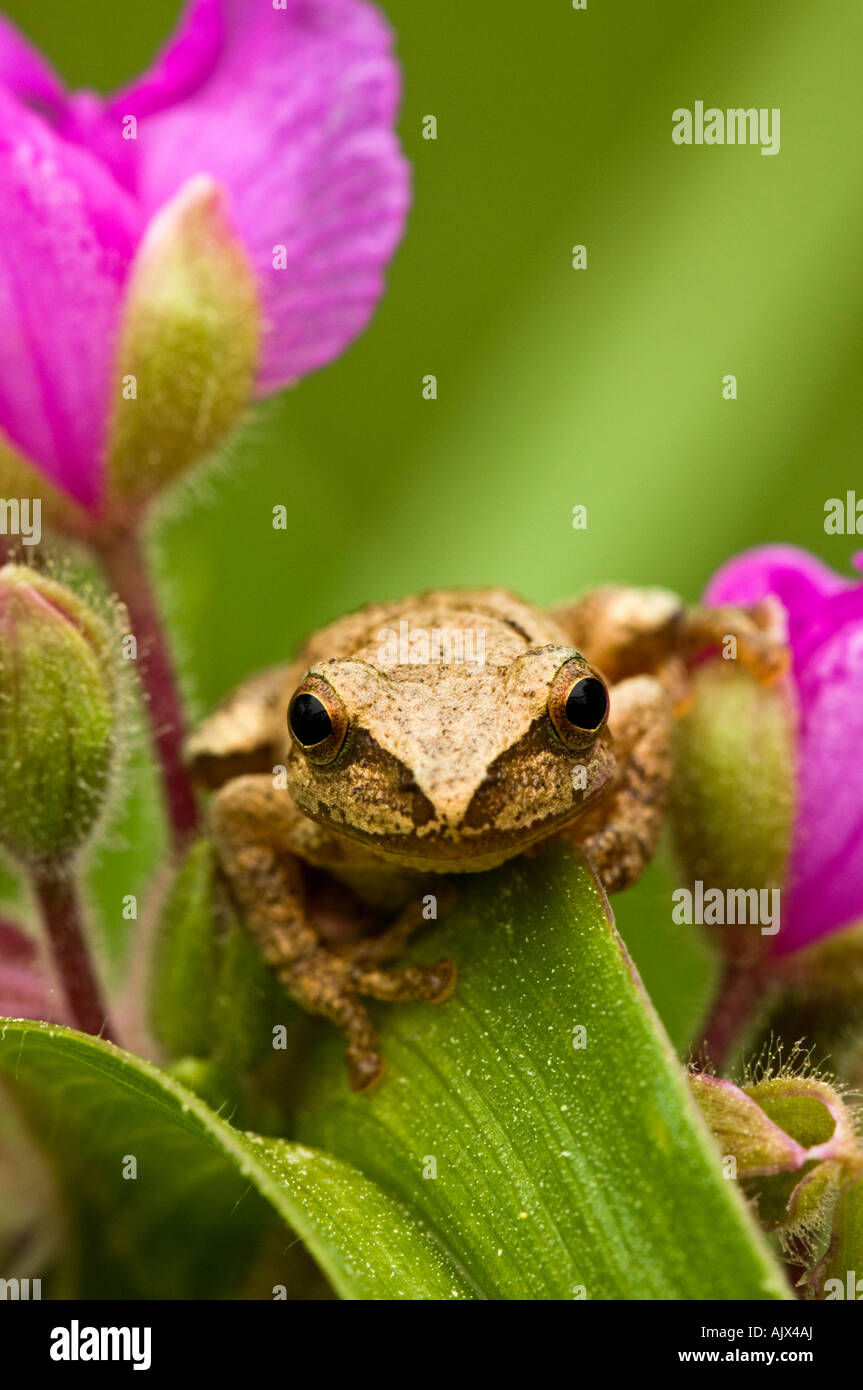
point(601, 387)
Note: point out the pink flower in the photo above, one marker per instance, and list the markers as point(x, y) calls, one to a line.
point(825, 629)
point(289, 109)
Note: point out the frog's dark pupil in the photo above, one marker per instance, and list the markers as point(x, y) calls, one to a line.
point(587, 703)
point(310, 722)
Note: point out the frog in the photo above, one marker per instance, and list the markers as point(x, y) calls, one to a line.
point(417, 740)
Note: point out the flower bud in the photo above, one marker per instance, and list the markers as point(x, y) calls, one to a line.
point(732, 796)
point(822, 613)
point(189, 345)
point(743, 1130)
point(793, 1143)
point(57, 694)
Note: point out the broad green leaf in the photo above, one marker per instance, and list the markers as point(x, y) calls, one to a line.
point(192, 1220)
point(496, 1160)
point(546, 1168)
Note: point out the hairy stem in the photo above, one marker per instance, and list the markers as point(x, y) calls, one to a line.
point(57, 895)
point(126, 566)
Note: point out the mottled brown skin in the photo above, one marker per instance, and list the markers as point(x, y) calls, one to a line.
point(448, 767)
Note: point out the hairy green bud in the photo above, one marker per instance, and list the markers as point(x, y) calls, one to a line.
point(732, 795)
point(58, 687)
point(189, 345)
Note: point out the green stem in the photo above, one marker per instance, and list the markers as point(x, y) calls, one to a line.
point(125, 563)
point(56, 891)
point(740, 994)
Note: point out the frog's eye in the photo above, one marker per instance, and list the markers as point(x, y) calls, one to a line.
point(577, 704)
point(318, 720)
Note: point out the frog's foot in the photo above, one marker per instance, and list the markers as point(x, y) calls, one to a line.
point(630, 632)
point(251, 822)
point(327, 983)
point(433, 983)
point(758, 634)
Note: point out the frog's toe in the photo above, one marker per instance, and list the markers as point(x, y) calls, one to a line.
point(432, 983)
point(365, 1069)
point(772, 662)
point(443, 977)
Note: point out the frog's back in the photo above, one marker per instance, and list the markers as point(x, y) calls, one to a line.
point(496, 613)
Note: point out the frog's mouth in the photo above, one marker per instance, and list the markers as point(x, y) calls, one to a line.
point(441, 853)
point(501, 819)
point(451, 850)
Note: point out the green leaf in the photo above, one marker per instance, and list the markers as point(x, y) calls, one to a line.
point(556, 1169)
point(497, 1159)
point(248, 1002)
point(193, 1219)
point(183, 976)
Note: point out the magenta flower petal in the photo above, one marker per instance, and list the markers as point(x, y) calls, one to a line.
point(295, 119)
point(25, 73)
point(290, 110)
point(799, 580)
point(183, 65)
point(825, 620)
point(67, 236)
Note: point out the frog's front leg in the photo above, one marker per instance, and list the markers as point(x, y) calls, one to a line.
point(645, 640)
point(253, 824)
point(621, 833)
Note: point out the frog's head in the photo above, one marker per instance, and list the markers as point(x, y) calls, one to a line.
point(450, 764)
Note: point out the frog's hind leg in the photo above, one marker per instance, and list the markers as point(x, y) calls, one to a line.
point(241, 735)
point(252, 823)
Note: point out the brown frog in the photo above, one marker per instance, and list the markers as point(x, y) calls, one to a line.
point(445, 734)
